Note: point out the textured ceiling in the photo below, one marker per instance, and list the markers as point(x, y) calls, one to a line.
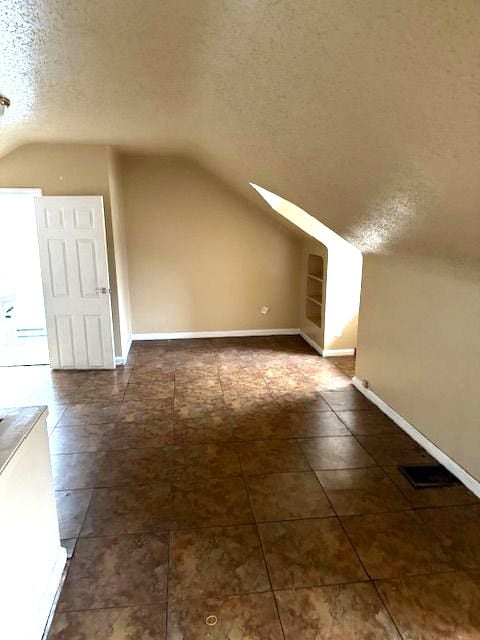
point(366, 114)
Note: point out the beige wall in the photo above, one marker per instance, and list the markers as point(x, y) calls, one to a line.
point(202, 258)
point(67, 169)
point(419, 349)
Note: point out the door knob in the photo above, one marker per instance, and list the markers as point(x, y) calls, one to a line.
point(103, 290)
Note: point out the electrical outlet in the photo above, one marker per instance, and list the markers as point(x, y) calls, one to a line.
point(264, 310)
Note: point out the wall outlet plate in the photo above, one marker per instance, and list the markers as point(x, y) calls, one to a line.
point(264, 310)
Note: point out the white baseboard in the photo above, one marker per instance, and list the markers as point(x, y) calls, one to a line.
point(338, 352)
point(181, 335)
point(312, 343)
point(50, 593)
point(326, 353)
point(469, 481)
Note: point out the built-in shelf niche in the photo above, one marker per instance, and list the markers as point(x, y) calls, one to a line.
point(314, 297)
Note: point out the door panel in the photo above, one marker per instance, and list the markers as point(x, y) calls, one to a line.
point(73, 257)
point(57, 262)
point(64, 342)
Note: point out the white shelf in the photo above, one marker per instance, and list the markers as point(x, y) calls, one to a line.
point(315, 300)
point(316, 320)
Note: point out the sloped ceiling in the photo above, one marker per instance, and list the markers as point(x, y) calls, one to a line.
point(366, 114)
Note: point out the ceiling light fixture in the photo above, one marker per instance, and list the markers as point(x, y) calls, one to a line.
point(4, 103)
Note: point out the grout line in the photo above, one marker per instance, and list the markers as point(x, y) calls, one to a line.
point(87, 510)
point(354, 549)
point(390, 615)
point(267, 570)
point(167, 589)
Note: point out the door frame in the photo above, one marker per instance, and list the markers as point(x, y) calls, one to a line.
point(32, 192)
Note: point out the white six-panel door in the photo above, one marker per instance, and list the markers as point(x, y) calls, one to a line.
point(73, 259)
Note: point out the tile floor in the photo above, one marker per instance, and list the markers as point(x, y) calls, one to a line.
point(241, 489)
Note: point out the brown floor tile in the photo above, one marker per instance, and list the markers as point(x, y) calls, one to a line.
point(198, 404)
point(151, 376)
point(287, 496)
point(111, 437)
point(245, 384)
point(127, 623)
point(292, 383)
point(270, 456)
point(211, 503)
point(361, 491)
point(303, 553)
point(311, 425)
point(393, 449)
point(234, 361)
point(338, 612)
point(210, 385)
point(113, 468)
point(150, 391)
point(143, 435)
point(102, 391)
point(436, 607)
point(159, 368)
point(347, 400)
point(66, 395)
point(207, 460)
point(329, 381)
point(459, 530)
point(346, 364)
point(146, 411)
point(132, 509)
point(335, 453)
point(71, 510)
point(116, 572)
point(301, 402)
point(245, 406)
point(218, 561)
point(368, 423)
point(252, 617)
point(185, 375)
point(431, 497)
point(97, 413)
point(84, 438)
point(138, 466)
point(475, 576)
point(76, 470)
point(120, 374)
point(262, 427)
point(210, 428)
point(396, 544)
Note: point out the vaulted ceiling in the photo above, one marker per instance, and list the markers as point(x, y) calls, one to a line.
point(366, 114)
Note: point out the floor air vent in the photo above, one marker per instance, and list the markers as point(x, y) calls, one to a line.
point(425, 476)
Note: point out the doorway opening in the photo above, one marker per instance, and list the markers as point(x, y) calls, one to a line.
point(23, 333)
